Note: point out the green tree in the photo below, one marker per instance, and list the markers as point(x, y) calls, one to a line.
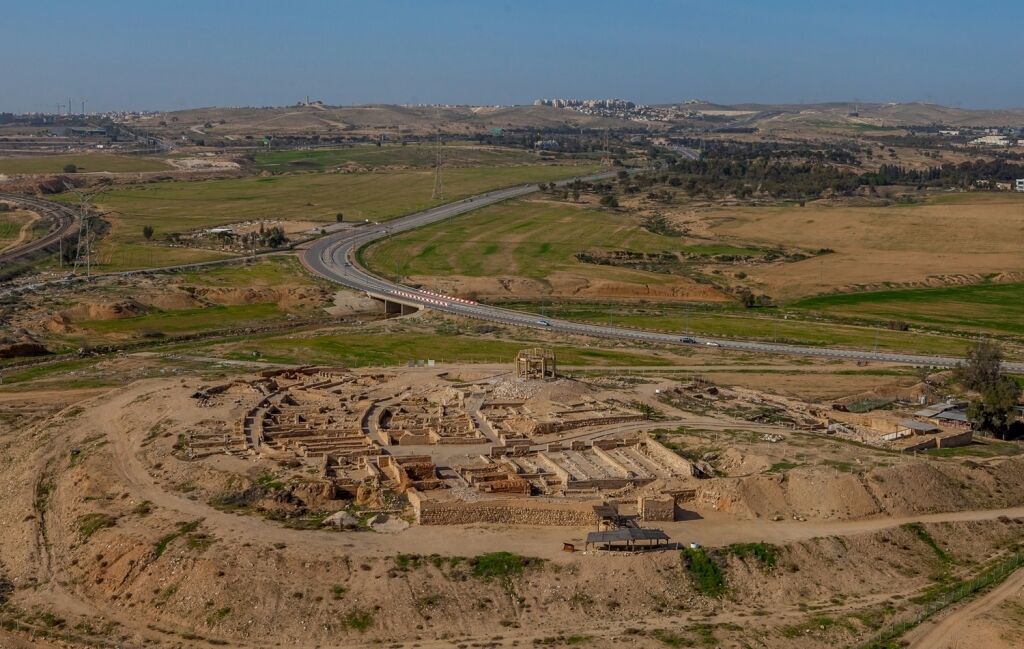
point(339, 217)
point(147, 232)
point(747, 299)
point(609, 200)
point(984, 366)
point(995, 411)
point(70, 168)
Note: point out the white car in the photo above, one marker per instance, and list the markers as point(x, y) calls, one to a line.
point(544, 323)
point(712, 344)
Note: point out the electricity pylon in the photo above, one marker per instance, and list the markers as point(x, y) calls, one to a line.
point(85, 230)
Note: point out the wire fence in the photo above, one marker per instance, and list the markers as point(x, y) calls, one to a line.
point(993, 575)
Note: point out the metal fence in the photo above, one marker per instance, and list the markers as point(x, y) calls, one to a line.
point(993, 575)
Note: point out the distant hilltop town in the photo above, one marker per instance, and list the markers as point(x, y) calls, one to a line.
point(596, 104)
point(620, 109)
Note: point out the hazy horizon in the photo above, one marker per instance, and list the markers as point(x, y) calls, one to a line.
point(171, 56)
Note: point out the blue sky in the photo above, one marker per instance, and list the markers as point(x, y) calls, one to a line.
point(155, 54)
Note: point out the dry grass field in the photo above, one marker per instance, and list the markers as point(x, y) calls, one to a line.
point(85, 162)
point(949, 239)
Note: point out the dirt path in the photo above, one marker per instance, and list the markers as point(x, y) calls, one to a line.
point(25, 234)
point(948, 630)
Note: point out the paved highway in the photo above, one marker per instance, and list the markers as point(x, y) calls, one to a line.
point(333, 257)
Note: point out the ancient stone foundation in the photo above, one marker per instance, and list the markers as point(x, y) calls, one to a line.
point(510, 512)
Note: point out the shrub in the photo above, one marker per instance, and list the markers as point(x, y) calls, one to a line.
point(183, 528)
point(920, 532)
point(358, 619)
point(766, 553)
point(707, 576)
point(89, 524)
point(503, 565)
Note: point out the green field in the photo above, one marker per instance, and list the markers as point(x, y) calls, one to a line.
point(410, 155)
point(741, 323)
point(86, 162)
point(184, 321)
point(273, 270)
point(180, 206)
point(359, 350)
point(129, 255)
point(996, 308)
point(522, 238)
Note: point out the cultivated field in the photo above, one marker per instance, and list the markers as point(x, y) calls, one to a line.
point(992, 308)
point(527, 248)
point(948, 239)
point(411, 155)
point(184, 206)
point(85, 162)
point(960, 243)
point(755, 324)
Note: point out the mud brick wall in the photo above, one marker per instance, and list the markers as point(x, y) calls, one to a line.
point(508, 512)
point(661, 508)
point(667, 457)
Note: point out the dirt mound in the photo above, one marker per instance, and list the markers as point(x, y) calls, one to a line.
point(12, 350)
point(561, 390)
point(891, 392)
point(347, 303)
point(690, 291)
point(285, 296)
point(572, 285)
point(811, 493)
point(906, 488)
point(169, 301)
point(87, 312)
point(732, 461)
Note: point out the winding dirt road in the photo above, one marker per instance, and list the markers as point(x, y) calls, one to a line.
point(948, 629)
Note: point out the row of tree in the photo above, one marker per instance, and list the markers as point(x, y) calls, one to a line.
point(963, 175)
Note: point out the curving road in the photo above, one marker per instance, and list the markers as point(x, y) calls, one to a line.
point(333, 257)
point(63, 222)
